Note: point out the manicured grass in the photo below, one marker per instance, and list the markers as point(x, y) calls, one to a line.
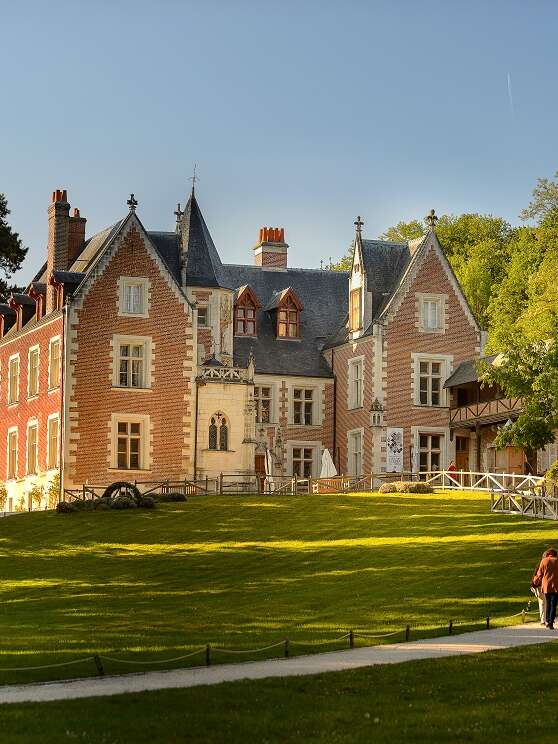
point(502, 697)
point(244, 571)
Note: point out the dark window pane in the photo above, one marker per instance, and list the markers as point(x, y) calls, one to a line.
point(435, 442)
point(122, 427)
point(224, 437)
point(134, 428)
point(423, 441)
point(213, 437)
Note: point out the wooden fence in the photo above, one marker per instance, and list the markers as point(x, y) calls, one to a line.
point(529, 505)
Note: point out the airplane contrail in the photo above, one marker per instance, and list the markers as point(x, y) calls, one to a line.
point(510, 96)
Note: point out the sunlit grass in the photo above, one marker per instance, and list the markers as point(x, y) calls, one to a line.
point(242, 572)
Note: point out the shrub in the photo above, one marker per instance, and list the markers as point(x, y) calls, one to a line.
point(115, 488)
point(147, 502)
point(66, 507)
point(20, 506)
point(101, 504)
point(84, 505)
point(401, 486)
point(387, 488)
point(123, 502)
point(172, 496)
point(53, 491)
point(36, 492)
point(409, 487)
point(3, 497)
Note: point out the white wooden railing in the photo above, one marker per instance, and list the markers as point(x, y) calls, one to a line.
point(471, 481)
point(528, 505)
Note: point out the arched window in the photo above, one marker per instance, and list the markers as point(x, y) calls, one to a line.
point(213, 434)
point(218, 433)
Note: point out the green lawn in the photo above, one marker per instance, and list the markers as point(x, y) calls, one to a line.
point(503, 697)
point(244, 571)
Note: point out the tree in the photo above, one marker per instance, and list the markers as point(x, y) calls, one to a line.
point(345, 263)
point(403, 231)
point(12, 251)
point(544, 201)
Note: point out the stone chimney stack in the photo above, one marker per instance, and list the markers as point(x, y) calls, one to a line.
point(58, 240)
point(270, 252)
point(76, 235)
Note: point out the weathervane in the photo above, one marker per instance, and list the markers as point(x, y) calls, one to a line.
point(132, 203)
point(431, 219)
point(194, 178)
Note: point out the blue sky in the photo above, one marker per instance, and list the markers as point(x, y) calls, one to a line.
point(299, 114)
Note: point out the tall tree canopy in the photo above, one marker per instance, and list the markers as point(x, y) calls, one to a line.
point(12, 251)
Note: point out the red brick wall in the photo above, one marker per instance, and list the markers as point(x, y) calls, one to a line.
point(169, 401)
point(39, 407)
point(272, 259)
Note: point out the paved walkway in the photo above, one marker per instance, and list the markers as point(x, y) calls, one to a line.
point(431, 648)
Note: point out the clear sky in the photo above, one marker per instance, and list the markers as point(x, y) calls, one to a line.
point(299, 114)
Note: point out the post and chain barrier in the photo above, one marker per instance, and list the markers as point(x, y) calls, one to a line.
point(286, 644)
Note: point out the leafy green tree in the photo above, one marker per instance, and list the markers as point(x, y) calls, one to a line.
point(403, 231)
point(12, 251)
point(544, 201)
point(345, 263)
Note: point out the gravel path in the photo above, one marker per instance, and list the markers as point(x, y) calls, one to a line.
point(466, 643)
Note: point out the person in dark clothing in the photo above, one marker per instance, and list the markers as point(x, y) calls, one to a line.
point(546, 577)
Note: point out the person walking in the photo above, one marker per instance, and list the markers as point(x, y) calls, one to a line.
point(539, 594)
point(546, 577)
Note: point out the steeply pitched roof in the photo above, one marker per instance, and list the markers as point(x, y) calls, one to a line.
point(324, 296)
point(203, 265)
point(467, 371)
point(384, 264)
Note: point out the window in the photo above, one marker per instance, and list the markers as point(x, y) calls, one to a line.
point(355, 383)
point(355, 453)
point(13, 379)
point(431, 312)
point(12, 454)
point(355, 315)
point(263, 400)
point(203, 316)
point(245, 317)
point(429, 452)
point(303, 406)
point(430, 379)
point(303, 457)
point(32, 448)
point(33, 372)
point(131, 365)
point(134, 296)
point(129, 445)
point(54, 363)
point(288, 319)
point(218, 433)
point(52, 442)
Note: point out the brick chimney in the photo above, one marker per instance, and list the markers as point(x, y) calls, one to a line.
point(270, 252)
point(76, 236)
point(58, 233)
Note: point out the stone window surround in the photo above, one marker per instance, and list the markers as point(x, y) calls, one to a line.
point(353, 362)
point(316, 448)
point(32, 423)
point(37, 348)
point(350, 437)
point(442, 300)
point(444, 444)
point(148, 346)
point(9, 376)
point(52, 417)
point(126, 281)
point(446, 361)
point(145, 437)
point(51, 342)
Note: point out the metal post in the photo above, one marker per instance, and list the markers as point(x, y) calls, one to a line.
point(99, 665)
point(351, 639)
point(286, 648)
point(487, 623)
point(450, 627)
point(220, 484)
point(407, 632)
point(208, 655)
point(295, 489)
point(523, 616)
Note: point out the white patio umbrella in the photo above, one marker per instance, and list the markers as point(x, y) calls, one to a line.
point(268, 478)
point(328, 467)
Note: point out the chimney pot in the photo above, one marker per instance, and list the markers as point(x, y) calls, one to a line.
point(271, 249)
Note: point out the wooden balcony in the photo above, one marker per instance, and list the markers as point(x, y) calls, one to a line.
point(488, 412)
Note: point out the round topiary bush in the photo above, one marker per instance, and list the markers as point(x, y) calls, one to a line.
point(401, 486)
point(418, 487)
point(387, 488)
point(66, 507)
point(122, 488)
point(147, 502)
point(123, 502)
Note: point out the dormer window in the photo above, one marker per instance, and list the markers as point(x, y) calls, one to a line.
point(288, 319)
point(245, 309)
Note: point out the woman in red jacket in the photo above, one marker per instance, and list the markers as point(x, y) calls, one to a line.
point(546, 578)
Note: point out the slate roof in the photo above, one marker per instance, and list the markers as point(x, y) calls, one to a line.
point(68, 277)
point(467, 371)
point(324, 295)
point(384, 263)
point(203, 264)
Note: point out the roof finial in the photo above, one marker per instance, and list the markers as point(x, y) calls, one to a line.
point(132, 203)
point(194, 178)
point(358, 225)
point(431, 219)
point(178, 213)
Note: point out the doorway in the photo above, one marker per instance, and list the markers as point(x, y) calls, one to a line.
point(462, 453)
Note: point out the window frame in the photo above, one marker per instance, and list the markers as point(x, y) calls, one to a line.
point(11, 359)
point(245, 303)
point(291, 309)
point(423, 301)
point(355, 401)
point(146, 343)
point(32, 351)
point(429, 451)
point(316, 448)
point(445, 361)
point(351, 452)
point(205, 308)
point(32, 424)
point(304, 401)
point(49, 464)
point(355, 309)
point(258, 400)
point(125, 282)
point(219, 420)
point(13, 430)
point(145, 441)
point(53, 342)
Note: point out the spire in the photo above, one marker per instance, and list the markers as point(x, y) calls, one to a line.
point(194, 179)
point(201, 264)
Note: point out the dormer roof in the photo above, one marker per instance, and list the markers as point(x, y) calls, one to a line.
point(280, 295)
